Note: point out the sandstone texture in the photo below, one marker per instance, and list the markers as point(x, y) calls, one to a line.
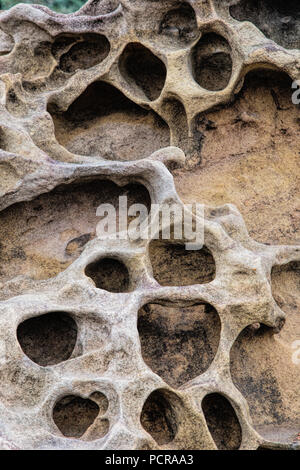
point(123, 344)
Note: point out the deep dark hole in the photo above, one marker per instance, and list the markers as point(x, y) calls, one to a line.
point(48, 339)
point(222, 422)
point(140, 65)
point(158, 417)
point(269, 79)
point(109, 274)
point(100, 99)
point(85, 54)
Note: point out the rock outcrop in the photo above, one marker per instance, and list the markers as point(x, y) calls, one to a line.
point(109, 344)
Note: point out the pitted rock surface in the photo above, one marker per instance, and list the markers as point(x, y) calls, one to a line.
point(118, 344)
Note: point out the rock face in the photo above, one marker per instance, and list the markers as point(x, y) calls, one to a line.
point(109, 344)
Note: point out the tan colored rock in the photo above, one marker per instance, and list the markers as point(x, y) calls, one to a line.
point(142, 344)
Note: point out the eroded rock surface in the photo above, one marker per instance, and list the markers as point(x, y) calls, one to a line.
point(109, 344)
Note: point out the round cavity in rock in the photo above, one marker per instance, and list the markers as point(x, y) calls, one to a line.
point(109, 274)
point(222, 422)
point(211, 62)
point(73, 415)
point(159, 418)
point(142, 68)
point(48, 339)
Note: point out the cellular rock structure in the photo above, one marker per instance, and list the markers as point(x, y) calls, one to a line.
point(141, 344)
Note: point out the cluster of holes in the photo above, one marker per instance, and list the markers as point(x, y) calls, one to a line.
point(172, 265)
point(212, 69)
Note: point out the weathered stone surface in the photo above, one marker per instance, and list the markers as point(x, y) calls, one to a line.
point(139, 344)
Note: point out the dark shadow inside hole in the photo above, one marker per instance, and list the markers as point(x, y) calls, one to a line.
point(140, 65)
point(91, 50)
point(73, 415)
point(222, 422)
point(103, 122)
point(48, 339)
point(109, 274)
point(180, 23)
point(178, 343)
point(279, 20)
point(63, 43)
point(174, 265)
point(159, 418)
point(211, 62)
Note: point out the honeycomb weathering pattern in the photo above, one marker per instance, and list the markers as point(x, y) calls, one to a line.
point(48, 60)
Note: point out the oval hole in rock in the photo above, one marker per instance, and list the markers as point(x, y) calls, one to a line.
point(109, 274)
point(222, 422)
point(178, 343)
point(92, 50)
point(73, 415)
point(140, 66)
point(159, 418)
point(48, 339)
point(173, 265)
point(211, 62)
point(103, 122)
